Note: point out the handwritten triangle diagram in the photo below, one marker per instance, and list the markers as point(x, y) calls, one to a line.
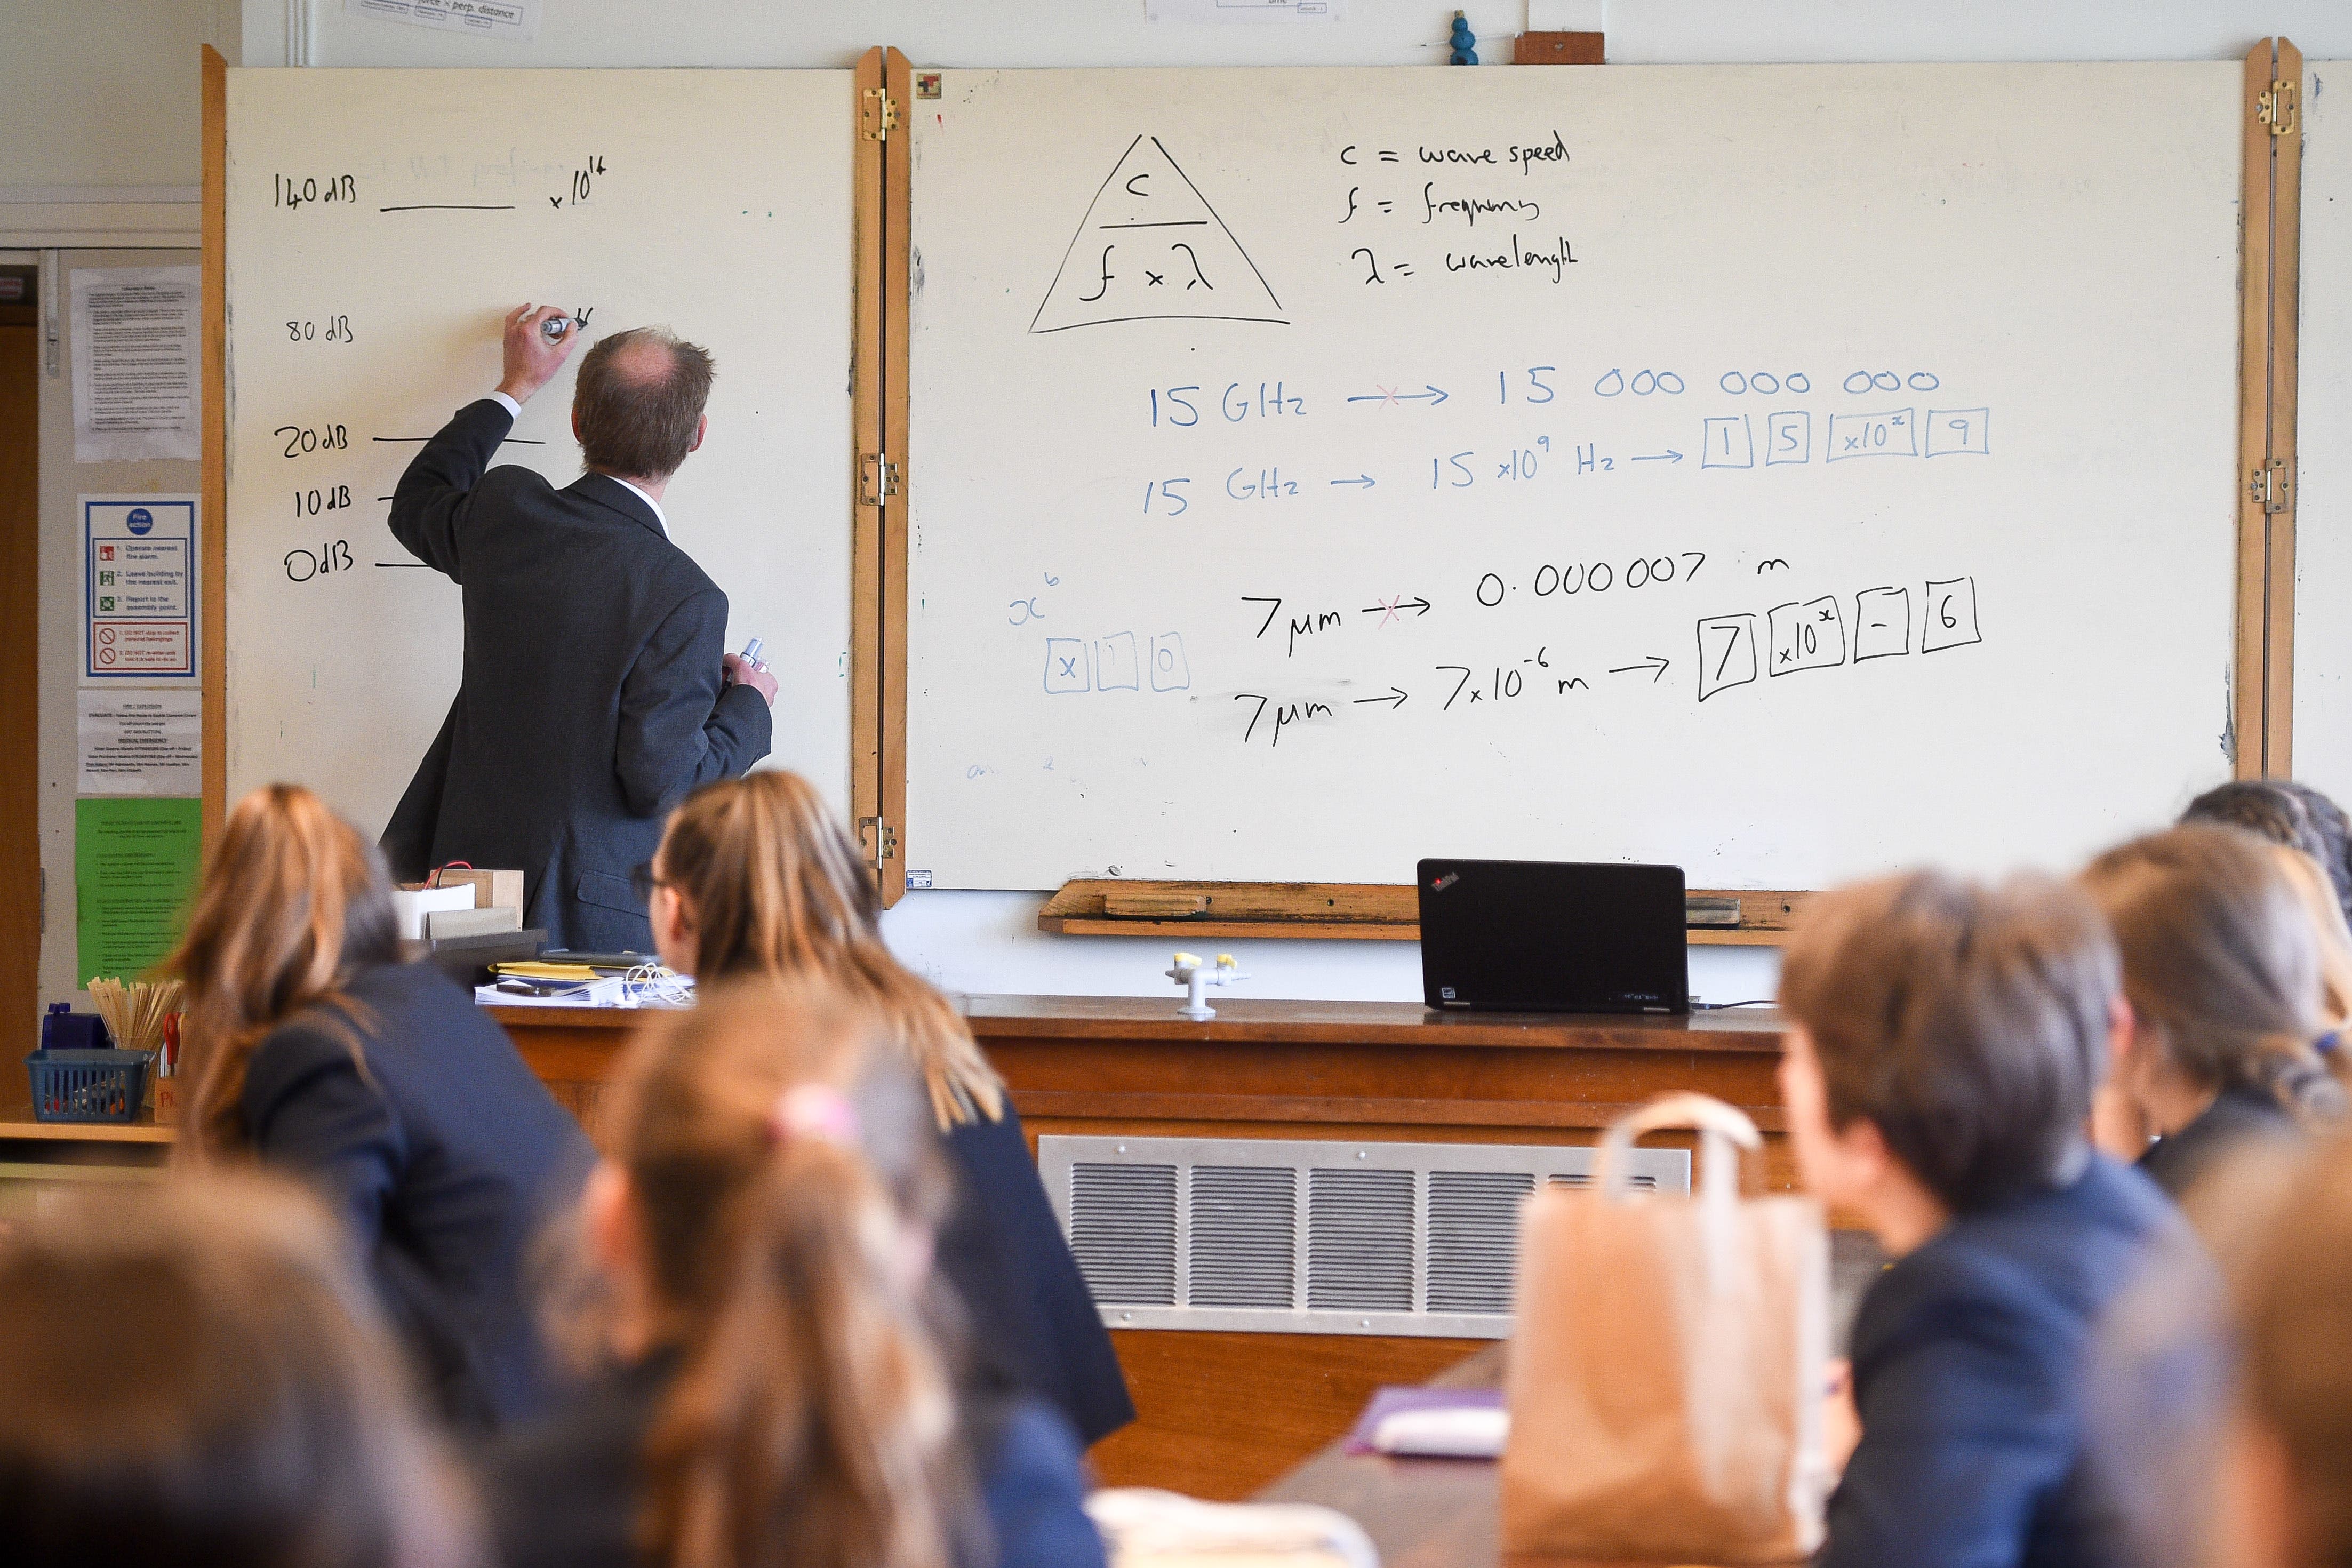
point(1151, 248)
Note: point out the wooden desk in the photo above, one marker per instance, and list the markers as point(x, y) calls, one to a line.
point(1422, 1514)
point(1223, 1414)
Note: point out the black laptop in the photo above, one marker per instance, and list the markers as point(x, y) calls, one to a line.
point(1549, 936)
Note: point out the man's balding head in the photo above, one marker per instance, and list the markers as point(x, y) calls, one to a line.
point(638, 404)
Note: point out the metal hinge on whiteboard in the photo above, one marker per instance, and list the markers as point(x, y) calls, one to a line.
point(878, 479)
point(2272, 487)
point(886, 840)
point(877, 114)
point(2275, 107)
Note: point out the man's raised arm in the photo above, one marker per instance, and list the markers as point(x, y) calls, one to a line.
point(429, 504)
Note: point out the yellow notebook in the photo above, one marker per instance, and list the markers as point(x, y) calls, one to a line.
point(532, 969)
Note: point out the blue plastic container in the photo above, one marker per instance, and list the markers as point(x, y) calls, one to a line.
point(63, 1029)
point(89, 1086)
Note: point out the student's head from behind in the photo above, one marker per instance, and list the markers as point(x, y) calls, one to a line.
point(291, 902)
point(189, 1376)
point(2222, 966)
point(637, 403)
point(1948, 1036)
point(765, 1210)
point(2286, 1481)
point(2285, 811)
point(758, 876)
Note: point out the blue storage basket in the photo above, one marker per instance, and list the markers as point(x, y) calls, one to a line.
point(89, 1086)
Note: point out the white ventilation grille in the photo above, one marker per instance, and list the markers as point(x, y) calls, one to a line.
point(1360, 1240)
point(1310, 1236)
point(1474, 1238)
point(1122, 1225)
point(1244, 1235)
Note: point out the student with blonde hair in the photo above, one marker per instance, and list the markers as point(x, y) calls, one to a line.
point(317, 1052)
point(779, 1392)
point(757, 876)
point(2218, 1048)
point(189, 1378)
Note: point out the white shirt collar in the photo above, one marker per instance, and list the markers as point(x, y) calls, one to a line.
point(659, 515)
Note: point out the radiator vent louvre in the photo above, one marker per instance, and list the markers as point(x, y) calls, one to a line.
point(1640, 1181)
point(1310, 1235)
point(1244, 1235)
point(1474, 1238)
point(1122, 1225)
point(1360, 1240)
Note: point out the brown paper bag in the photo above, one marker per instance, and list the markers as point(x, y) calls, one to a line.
point(1668, 1367)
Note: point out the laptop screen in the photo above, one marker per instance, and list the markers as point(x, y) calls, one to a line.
point(1540, 936)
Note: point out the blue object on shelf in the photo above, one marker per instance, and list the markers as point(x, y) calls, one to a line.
point(89, 1086)
point(63, 1029)
point(1465, 42)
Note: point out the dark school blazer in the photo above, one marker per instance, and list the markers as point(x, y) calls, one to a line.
point(593, 700)
point(1032, 1322)
point(1969, 1356)
point(442, 1155)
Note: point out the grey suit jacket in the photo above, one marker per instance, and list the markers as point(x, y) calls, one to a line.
point(593, 700)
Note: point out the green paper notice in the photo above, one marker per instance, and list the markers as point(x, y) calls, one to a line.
point(134, 865)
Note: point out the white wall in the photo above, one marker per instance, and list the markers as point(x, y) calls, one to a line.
point(105, 94)
point(984, 941)
point(1375, 32)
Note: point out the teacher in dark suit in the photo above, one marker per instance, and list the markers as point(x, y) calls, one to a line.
point(597, 691)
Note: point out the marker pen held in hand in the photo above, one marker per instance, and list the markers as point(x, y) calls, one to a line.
point(555, 327)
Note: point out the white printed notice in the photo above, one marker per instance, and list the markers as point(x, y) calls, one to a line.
point(139, 742)
point(138, 588)
point(136, 385)
point(517, 19)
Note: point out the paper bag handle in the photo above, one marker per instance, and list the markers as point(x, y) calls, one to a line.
point(1719, 1127)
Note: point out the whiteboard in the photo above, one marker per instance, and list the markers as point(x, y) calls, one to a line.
point(2322, 524)
point(1782, 471)
point(380, 223)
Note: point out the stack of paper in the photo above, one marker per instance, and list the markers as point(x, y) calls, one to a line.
point(1147, 1528)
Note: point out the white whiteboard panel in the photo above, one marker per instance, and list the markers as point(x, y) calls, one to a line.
point(718, 203)
point(2026, 274)
point(2323, 530)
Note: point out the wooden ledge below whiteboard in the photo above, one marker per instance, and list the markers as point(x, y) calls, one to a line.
point(1347, 911)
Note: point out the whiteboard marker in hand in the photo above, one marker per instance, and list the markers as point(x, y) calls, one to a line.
point(747, 668)
point(555, 327)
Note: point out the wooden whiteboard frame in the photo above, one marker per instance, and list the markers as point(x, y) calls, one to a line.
point(2262, 693)
point(2262, 689)
point(212, 570)
point(872, 383)
point(2263, 705)
point(880, 282)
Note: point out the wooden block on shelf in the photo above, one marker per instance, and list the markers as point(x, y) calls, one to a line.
point(1353, 912)
point(1560, 50)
